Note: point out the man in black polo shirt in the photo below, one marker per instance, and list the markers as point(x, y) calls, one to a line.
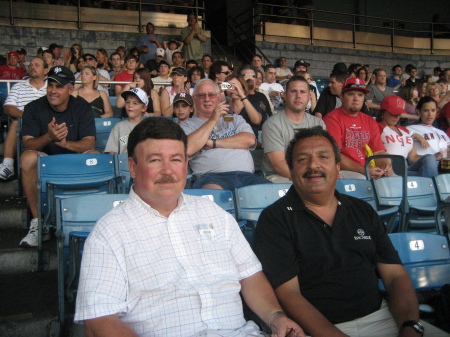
point(323, 252)
point(57, 123)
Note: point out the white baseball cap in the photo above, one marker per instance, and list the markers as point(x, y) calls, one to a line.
point(139, 93)
point(160, 52)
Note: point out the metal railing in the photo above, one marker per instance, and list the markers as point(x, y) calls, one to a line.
point(347, 21)
point(137, 5)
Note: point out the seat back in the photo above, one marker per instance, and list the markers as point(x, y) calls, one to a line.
point(425, 256)
point(123, 170)
point(117, 112)
point(421, 192)
point(223, 198)
point(103, 127)
point(442, 185)
point(252, 199)
point(358, 188)
point(389, 191)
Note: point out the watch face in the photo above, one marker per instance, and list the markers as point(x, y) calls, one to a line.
point(418, 327)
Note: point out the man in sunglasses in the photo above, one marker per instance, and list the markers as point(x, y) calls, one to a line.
point(219, 71)
point(91, 60)
point(356, 133)
point(57, 123)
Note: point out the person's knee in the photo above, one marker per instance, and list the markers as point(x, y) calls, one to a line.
point(213, 186)
point(28, 160)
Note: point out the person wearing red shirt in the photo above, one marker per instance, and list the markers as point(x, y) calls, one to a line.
point(11, 70)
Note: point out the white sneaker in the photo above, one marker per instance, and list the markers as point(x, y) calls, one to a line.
point(6, 171)
point(31, 239)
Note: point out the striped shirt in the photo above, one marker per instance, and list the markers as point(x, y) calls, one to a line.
point(23, 93)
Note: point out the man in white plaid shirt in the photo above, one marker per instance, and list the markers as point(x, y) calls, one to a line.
point(168, 264)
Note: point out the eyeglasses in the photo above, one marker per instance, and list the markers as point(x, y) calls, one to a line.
point(252, 75)
point(80, 61)
point(210, 95)
point(88, 59)
point(226, 72)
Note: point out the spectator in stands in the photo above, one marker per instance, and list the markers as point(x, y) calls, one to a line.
point(412, 76)
point(219, 151)
point(397, 139)
point(259, 100)
point(283, 73)
point(56, 49)
point(147, 44)
point(204, 288)
point(257, 62)
point(153, 65)
point(325, 252)
point(12, 70)
point(80, 66)
point(57, 123)
point(22, 59)
point(122, 51)
point(378, 91)
point(433, 140)
point(116, 66)
point(274, 89)
point(405, 75)
point(241, 104)
point(219, 71)
point(195, 74)
point(330, 96)
point(177, 60)
point(20, 95)
point(190, 64)
point(163, 76)
point(193, 38)
point(103, 60)
point(361, 73)
point(143, 80)
point(281, 128)
point(313, 91)
point(207, 61)
point(370, 77)
point(354, 131)
point(395, 81)
point(353, 68)
point(97, 99)
point(179, 84)
point(127, 75)
point(78, 50)
point(258, 81)
point(410, 95)
point(183, 107)
point(136, 103)
point(301, 66)
point(171, 47)
point(445, 115)
point(74, 56)
point(434, 90)
point(91, 60)
point(436, 72)
point(49, 57)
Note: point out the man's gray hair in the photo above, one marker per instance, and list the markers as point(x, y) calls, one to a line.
point(205, 80)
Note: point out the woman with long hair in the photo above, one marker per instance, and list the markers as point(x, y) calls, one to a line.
point(98, 100)
point(76, 53)
point(410, 95)
point(142, 80)
point(398, 141)
point(103, 59)
point(195, 74)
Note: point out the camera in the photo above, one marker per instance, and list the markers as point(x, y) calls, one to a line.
point(226, 86)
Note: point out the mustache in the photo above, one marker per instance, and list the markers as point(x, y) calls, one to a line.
point(166, 179)
point(313, 172)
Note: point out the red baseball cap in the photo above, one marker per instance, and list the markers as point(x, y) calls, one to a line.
point(13, 53)
point(354, 83)
point(393, 104)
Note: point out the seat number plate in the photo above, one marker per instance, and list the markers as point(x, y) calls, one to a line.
point(416, 245)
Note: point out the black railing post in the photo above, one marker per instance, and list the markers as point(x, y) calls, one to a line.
point(140, 16)
point(11, 16)
point(354, 31)
point(79, 13)
point(432, 38)
point(392, 35)
point(311, 28)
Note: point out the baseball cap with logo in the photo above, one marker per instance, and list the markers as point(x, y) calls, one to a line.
point(13, 53)
point(393, 104)
point(185, 97)
point(354, 83)
point(61, 74)
point(179, 71)
point(160, 52)
point(303, 63)
point(21, 51)
point(139, 93)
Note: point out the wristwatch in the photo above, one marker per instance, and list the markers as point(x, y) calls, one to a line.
point(415, 325)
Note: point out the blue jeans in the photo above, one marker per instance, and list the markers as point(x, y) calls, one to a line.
point(229, 180)
point(427, 166)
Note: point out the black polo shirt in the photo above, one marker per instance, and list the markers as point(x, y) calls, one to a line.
point(78, 117)
point(336, 266)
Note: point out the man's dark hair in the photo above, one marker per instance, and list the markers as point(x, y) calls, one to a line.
point(340, 76)
point(216, 68)
point(315, 131)
point(48, 51)
point(295, 79)
point(155, 128)
point(411, 68)
point(193, 69)
point(396, 66)
point(177, 52)
point(268, 66)
point(245, 67)
point(207, 55)
point(425, 100)
point(89, 55)
point(130, 57)
point(194, 62)
point(257, 55)
point(114, 54)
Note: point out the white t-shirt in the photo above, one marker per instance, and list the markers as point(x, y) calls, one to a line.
point(436, 138)
point(394, 143)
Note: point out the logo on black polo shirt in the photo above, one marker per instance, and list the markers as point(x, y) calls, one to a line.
point(361, 235)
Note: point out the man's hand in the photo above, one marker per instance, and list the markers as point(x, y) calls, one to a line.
point(221, 109)
point(376, 172)
point(152, 40)
point(281, 326)
point(273, 94)
point(57, 132)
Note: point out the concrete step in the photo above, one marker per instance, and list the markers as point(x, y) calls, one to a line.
point(29, 305)
point(15, 260)
point(9, 188)
point(13, 212)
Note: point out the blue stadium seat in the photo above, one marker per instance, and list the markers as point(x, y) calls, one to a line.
point(123, 171)
point(103, 127)
point(223, 198)
point(117, 112)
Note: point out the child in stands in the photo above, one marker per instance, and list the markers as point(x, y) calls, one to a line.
point(183, 107)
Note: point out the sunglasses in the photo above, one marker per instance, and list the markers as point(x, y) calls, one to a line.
point(88, 59)
point(245, 75)
point(226, 72)
point(80, 61)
